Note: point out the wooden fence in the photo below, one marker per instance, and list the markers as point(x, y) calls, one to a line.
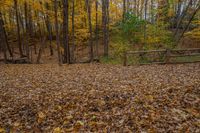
point(165, 54)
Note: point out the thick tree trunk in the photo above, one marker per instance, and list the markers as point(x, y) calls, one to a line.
point(6, 37)
point(3, 38)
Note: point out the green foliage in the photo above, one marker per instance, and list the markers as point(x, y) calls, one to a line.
point(158, 36)
point(110, 60)
point(132, 27)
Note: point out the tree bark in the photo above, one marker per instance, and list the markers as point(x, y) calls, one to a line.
point(18, 28)
point(96, 31)
point(105, 20)
point(66, 31)
point(3, 38)
point(88, 5)
point(73, 32)
point(189, 22)
point(49, 29)
point(57, 32)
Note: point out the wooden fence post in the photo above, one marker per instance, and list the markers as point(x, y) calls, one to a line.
point(167, 56)
point(125, 59)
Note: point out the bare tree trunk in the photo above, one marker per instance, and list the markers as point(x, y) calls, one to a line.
point(105, 20)
point(180, 19)
point(88, 5)
point(57, 32)
point(145, 18)
point(124, 10)
point(41, 50)
point(49, 29)
point(187, 26)
point(18, 29)
point(3, 38)
point(96, 34)
point(66, 31)
point(73, 31)
point(6, 37)
point(107, 26)
point(27, 30)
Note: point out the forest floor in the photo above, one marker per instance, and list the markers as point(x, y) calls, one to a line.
point(97, 97)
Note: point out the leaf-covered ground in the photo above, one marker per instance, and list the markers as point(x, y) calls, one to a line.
point(100, 98)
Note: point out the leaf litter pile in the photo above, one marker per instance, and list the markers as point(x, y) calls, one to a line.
point(99, 98)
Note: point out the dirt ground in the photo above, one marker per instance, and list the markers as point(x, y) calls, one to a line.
point(99, 98)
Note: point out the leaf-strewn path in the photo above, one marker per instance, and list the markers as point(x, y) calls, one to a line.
point(49, 98)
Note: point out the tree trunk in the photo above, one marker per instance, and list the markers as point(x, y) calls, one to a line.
point(27, 30)
point(49, 29)
point(57, 32)
point(105, 19)
point(145, 18)
point(88, 5)
point(73, 32)
point(66, 31)
point(41, 50)
point(18, 29)
point(180, 19)
point(3, 38)
point(187, 26)
point(124, 10)
point(96, 34)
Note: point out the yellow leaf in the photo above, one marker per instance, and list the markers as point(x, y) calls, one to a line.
point(2, 130)
point(80, 123)
point(41, 115)
point(57, 130)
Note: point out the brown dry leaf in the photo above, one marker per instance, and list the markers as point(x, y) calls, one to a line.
point(98, 97)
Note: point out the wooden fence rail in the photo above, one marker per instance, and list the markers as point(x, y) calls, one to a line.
point(168, 54)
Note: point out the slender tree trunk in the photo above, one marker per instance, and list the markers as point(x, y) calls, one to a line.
point(27, 30)
point(49, 29)
point(180, 19)
point(152, 11)
point(96, 34)
point(57, 32)
point(145, 18)
point(189, 22)
point(124, 10)
point(18, 29)
point(73, 31)
point(66, 31)
point(41, 50)
point(88, 5)
point(105, 26)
